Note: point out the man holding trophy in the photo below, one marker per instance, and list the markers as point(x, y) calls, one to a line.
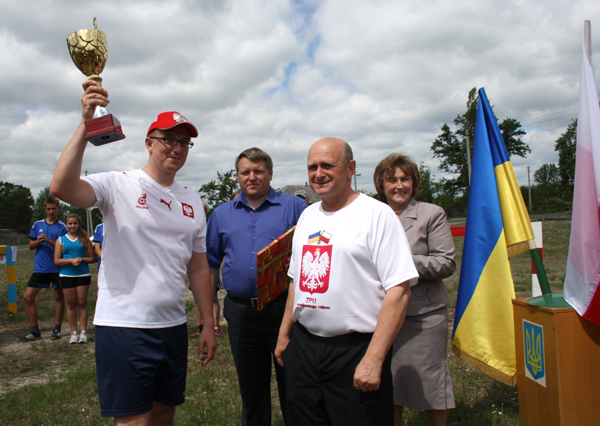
point(154, 234)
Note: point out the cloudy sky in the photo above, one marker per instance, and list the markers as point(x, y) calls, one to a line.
point(384, 75)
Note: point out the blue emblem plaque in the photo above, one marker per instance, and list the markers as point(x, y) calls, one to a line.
point(535, 362)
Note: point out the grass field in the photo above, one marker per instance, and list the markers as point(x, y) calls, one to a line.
point(53, 383)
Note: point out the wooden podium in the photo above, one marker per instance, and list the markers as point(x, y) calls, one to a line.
point(558, 366)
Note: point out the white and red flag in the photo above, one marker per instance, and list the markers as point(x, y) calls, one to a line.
point(582, 281)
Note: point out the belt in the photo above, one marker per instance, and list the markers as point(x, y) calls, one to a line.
point(253, 300)
point(351, 338)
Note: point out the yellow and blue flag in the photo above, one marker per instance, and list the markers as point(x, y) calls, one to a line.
point(498, 226)
point(314, 237)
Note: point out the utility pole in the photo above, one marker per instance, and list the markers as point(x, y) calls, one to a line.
point(469, 155)
point(529, 183)
point(355, 174)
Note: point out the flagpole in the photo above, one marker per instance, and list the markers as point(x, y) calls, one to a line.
point(539, 267)
point(549, 299)
point(587, 37)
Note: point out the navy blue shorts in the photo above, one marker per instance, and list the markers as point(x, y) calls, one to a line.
point(43, 280)
point(137, 366)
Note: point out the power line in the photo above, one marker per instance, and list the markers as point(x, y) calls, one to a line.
point(525, 116)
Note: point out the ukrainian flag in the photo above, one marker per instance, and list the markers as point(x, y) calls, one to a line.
point(498, 226)
point(314, 237)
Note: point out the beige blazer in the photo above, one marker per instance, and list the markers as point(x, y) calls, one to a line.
point(432, 249)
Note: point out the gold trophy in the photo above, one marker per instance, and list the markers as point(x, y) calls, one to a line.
point(89, 52)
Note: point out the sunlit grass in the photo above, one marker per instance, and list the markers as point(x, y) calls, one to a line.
point(63, 388)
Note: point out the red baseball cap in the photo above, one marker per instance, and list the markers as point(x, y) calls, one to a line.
point(170, 119)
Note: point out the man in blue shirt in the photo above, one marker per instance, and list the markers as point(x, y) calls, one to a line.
point(237, 230)
point(43, 236)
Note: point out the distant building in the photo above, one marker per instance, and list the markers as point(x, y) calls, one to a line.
point(291, 189)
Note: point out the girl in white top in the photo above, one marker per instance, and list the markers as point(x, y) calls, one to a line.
point(72, 253)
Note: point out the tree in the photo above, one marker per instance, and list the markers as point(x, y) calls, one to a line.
point(450, 147)
point(547, 175)
point(452, 151)
point(428, 189)
point(512, 133)
point(217, 192)
point(16, 207)
point(547, 185)
point(566, 146)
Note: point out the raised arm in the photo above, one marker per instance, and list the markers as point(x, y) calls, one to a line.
point(66, 182)
point(367, 376)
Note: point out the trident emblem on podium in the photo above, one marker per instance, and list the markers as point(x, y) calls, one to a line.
point(533, 335)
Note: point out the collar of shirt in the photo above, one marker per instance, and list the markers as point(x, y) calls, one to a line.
point(241, 200)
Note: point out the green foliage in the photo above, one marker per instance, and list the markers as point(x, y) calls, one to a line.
point(428, 189)
point(512, 133)
point(450, 147)
point(217, 192)
point(566, 146)
point(553, 205)
point(549, 193)
point(16, 205)
point(547, 179)
point(452, 154)
point(547, 175)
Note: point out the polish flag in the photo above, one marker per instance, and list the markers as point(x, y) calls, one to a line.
point(582, 280)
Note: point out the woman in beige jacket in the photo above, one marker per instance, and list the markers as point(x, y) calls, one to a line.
point(419, 366)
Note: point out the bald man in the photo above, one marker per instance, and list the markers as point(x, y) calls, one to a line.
point(351, 269)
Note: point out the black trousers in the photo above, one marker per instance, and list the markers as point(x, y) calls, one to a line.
point(320, 376)
point(253, 337)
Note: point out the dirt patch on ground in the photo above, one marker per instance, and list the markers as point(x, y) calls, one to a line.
point(31, 363)
point(39, 361)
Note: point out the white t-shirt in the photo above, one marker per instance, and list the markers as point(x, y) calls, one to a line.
point(342, 264)
point(149, 235)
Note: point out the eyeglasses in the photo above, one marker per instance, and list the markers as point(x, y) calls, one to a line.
point(172, 142)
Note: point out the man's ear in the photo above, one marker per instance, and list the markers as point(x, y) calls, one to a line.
point(351, 167)
point(149, 144)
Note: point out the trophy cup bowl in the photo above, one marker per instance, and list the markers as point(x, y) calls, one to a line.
point(89, 52)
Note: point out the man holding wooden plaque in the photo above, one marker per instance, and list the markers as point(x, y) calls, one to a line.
point(237, 231)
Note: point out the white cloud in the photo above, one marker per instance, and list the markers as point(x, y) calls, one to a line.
point(278, 74)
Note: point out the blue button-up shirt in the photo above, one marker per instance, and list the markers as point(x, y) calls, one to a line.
point(236, 232)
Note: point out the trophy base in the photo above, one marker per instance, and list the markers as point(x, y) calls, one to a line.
point(103, 130)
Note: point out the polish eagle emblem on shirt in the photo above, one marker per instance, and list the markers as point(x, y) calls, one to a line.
point(316, 262)
point(187, 210)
